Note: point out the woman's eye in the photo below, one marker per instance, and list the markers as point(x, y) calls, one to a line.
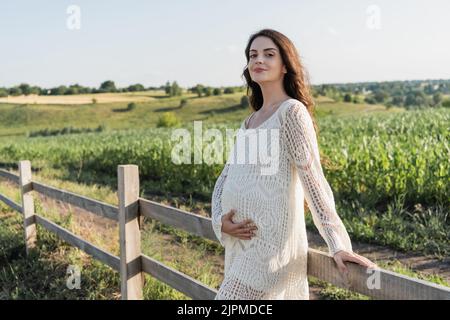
point(254, 55)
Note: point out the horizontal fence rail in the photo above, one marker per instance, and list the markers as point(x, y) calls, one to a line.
point(391, 286)
point(10, 176)
point(177, 280)
point(132, 264)
point(177, 218)
point(94, 206)
point(11, 203)
point(74, 240)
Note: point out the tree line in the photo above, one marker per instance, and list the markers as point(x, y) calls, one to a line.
point(170, 88)
point(408, 94)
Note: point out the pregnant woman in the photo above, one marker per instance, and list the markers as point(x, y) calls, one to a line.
point(258, 216)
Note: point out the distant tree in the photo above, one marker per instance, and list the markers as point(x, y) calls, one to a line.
point(380, 96)
point(58, 90)
point(428, 89)
point(416, 98)
point(131, 106)
point(347, 97)
point(410, 100)
point(183, 102)
point(244, 102)
point(370, 100)
point(3, 92)
point(199, 90)
point(25, 88)
point(15, 91)
point(315, 93)
point(217, 92)
point(228, 90)
point(398, 100)
point(108, 86)
point(175, 89)
point(207, 91)
point(437, 98)
point(35, 90)
point(72, 90)
point(167, 88)
point(136, 87)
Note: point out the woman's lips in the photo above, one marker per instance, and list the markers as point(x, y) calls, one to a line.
point(259, 70)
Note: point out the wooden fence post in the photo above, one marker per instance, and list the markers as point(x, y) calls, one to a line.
point(131, 275)
point(27, 205)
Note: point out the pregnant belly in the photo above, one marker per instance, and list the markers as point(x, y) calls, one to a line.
point(253, 201)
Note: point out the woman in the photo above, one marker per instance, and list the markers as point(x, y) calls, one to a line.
point(259, 218)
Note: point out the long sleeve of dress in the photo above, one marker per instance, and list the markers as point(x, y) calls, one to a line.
point(301, 141)
point(216, 207)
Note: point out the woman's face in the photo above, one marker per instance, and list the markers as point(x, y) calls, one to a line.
point(265, 56)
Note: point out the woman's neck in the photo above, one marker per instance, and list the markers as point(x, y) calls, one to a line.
point(273, 93)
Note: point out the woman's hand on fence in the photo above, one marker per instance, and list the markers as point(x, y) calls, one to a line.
point(342, 256)
point(243, 230)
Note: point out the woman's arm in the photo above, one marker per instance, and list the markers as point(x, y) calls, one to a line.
point(301, 141)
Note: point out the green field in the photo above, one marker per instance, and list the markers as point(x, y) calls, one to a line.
point(387, 168)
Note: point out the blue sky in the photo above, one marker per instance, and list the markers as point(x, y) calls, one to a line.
point(195, 41)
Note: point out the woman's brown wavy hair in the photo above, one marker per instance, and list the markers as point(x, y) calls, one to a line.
point(295, 82)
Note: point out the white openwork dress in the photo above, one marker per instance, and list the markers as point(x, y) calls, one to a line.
point(273, 264)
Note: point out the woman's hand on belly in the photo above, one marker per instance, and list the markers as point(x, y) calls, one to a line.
point(243, 230)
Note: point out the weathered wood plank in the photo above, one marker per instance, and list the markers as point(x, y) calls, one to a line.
point(193, 223)
point(11, 203)
point(94, 206)
point(177, 280)
point(391, 285)
point(29, 222)
point(131, 275)
point(10, 176)
point(74, 240)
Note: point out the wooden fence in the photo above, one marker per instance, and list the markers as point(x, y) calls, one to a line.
point(131, 264)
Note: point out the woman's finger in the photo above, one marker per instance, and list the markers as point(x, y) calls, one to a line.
point(341, 265)
point(358, 260)
point(245, 222)
point(246, 233)
point(245, 236)
point(247, 227)
point(370, 263)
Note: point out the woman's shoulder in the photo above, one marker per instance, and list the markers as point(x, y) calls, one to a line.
point(294, 103)
point(292, 107)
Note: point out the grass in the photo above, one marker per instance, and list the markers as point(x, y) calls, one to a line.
point(43, 275)
point(18, 119)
